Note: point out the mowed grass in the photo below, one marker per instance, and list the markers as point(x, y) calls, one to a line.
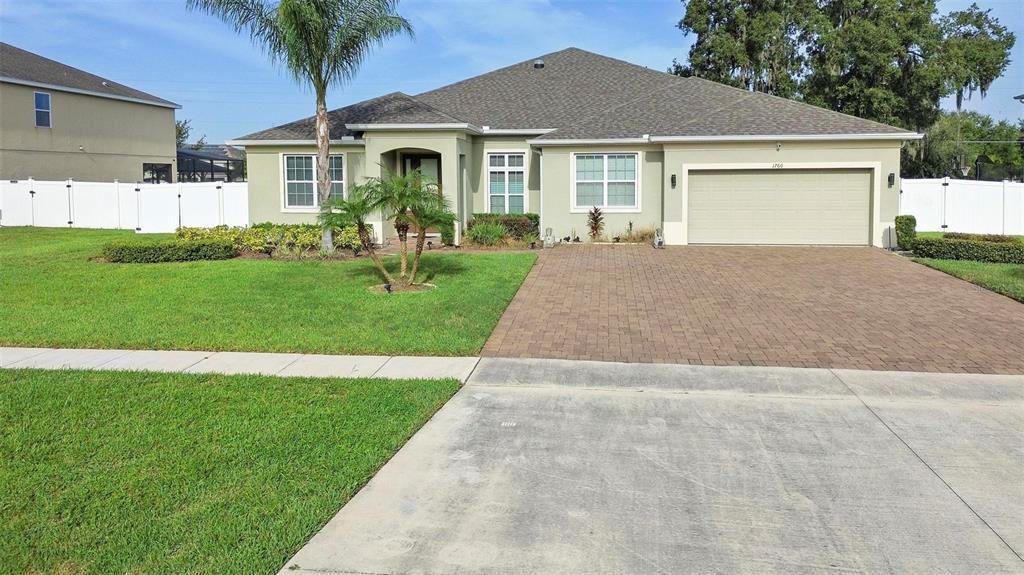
point(141, 472)
point(52, 295)
point(1007, 279)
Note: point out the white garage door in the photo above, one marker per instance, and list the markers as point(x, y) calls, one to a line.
point(779, 207)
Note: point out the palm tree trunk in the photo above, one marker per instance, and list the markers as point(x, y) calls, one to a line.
point(421, 239)
point(403, 247)
point(323, 161)
point(367, 241)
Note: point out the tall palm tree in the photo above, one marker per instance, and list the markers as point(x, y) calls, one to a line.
point(321, 42)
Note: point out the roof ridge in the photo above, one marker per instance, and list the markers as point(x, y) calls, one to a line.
point(792, 101)
point(102, 79)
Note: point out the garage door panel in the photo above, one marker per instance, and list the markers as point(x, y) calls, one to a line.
point(779, 207)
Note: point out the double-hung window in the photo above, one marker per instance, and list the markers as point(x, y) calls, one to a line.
point(42, 104)
point(300, 180)
point(606, 181)
point(506, 187)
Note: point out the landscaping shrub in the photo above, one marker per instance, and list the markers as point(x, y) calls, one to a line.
point(952, 249)
point(980, 237)
point(518, 225)
point(267, 237)
point(177, 250)
point(448, 234)
point(906, 231)
point(595, 222)
point(487, 233)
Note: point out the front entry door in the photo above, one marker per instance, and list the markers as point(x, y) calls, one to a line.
point(429, 166)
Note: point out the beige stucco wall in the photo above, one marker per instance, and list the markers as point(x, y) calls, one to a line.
point(91, 138)
point(556, 203)
point(266, 181)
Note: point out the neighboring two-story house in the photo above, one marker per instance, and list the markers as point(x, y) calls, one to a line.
point(59, 122)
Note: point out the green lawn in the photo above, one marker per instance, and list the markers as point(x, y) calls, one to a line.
point(119, 472)
point(1007, 279)
point(52, 295)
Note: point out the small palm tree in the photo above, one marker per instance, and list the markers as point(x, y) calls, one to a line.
point(397, 195)
point(431, 211)
point(354, 210)
point(321, 42)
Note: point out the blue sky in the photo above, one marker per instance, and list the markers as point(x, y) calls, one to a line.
point(228, 88)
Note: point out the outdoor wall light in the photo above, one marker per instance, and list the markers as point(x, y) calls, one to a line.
point(892, 179)
point(673, 181)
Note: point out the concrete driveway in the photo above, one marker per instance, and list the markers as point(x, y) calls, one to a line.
point(541, 466)
point(854, 308)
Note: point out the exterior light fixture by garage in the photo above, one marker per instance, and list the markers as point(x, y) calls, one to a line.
point(673, 181)
point(892, 179)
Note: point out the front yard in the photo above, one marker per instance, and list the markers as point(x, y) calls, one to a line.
point(53, 295)
point(122, 472)
point(1007, 279)
point(1004, 278)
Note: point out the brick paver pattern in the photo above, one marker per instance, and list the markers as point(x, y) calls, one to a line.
point(858, 308)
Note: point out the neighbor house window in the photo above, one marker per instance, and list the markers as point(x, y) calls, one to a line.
point(606, 181)
point(506, 183)
point(300, 180)
point(42, 110)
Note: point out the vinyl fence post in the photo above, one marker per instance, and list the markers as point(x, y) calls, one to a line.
point(117, 202)
point(138, 208)
point(67, 186)
point(32, 199)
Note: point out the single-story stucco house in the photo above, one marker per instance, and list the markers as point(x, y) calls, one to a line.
point(557, 135)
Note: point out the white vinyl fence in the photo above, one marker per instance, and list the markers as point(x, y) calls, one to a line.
point(951, 205)
point(145, 208)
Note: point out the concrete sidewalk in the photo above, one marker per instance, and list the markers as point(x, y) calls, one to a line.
point(565, 467)
point(231, 362)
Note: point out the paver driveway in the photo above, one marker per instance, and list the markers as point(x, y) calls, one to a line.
point(858, 308)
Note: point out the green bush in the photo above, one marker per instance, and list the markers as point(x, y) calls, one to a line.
point(487, 233)
point(980, 237)
point(518, 225)
point(448, 234)
point(177, 250)
point(267, 237)
point(947, 249)
point(906, 231)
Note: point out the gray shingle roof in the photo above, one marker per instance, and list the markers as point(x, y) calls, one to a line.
point(572, 85)
point(582, 95)
point(394, 108)
point(18, 64)
point(696, 107)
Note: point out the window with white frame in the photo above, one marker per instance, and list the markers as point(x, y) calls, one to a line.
point(42, 105)
point(606, 181)
point(506, 185)
point(300, 180)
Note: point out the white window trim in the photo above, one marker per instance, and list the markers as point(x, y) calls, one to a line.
point(574, 209)
point(526, 177)
point(49, 100)
point(282, 180)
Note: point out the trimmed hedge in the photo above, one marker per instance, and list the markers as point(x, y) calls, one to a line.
point(267, 237)
point(906, 231)
point(517, 225)
point(135, 252)
point(980, 237)
point(947, 249)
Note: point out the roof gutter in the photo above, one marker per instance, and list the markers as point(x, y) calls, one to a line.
point(413, 127)
point(902, 136)
point(789, 137)
point(343, 142)
point(58, 88)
